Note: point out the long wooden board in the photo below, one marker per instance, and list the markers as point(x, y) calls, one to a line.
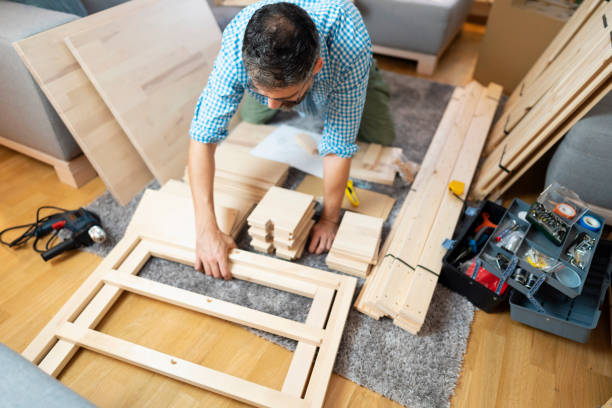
point(150, 68)
point(80, 107)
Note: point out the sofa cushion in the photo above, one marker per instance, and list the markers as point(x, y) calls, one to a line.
point(66, 6)
point(22, 384)
point(582, 160)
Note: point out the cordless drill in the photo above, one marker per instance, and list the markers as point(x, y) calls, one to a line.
point(77, 228)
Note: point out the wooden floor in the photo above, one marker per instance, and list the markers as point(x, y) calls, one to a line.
point(506, 364)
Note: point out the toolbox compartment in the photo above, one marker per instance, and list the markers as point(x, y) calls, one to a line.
point(572, 318)
point(451, 276)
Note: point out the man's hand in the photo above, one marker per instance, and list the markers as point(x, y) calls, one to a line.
point(322, 236)
point(212, 248)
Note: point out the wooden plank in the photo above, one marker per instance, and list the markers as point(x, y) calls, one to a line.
point(398, 278)
point(367, 297)
point(546, 116)
point(215, 307)
point(43, 342)
point(61, 353)
point(80, 107)
point(567, 32)
point(176, 368)
point(304, 354)
point(417, 298)
point(554, 139)
point(321, 372)
point(150, 84)
point(233, 159)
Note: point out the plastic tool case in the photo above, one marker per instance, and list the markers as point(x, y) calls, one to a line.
point(451, 277)
point(550, 301)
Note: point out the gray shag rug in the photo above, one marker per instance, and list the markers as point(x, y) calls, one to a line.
point(415, 371)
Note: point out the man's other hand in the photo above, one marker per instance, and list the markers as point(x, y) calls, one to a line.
point(322, 236)
point(212, 249)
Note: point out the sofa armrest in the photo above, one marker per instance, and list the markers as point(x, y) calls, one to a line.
point(26, 116)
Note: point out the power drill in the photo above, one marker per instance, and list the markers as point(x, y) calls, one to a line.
point(77, 228)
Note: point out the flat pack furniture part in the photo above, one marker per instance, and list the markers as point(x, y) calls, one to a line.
point(417, 299)
point(80, 107)
point(366, 298)
point(231, 211)
point(370, 202)
point(249, 135)
point(542, 123)
point(149, 67)
point(356, 244)
point(404, 280)
point(308, 376)
point(429, 196)
point(559, 43)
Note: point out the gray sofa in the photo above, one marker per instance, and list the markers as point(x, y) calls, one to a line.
point(583, 159)
point(22, 384)
point(414, 29)
point(28, 122)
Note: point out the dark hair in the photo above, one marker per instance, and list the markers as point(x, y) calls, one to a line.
point(280, 46)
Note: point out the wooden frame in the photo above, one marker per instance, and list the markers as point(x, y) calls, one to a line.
point(307, 378)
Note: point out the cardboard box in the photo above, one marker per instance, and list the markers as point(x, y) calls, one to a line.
point(518, 32)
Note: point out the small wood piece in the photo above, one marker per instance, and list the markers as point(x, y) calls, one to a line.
point(370, 159)
point(307, 143)
point(370, 202)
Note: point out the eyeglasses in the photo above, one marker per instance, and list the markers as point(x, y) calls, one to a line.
point(287, 102)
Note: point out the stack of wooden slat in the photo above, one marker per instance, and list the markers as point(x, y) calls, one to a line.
point(238, 172)
point(355, 247)
point(402, 283)
point(282, 221)
point(569, 78)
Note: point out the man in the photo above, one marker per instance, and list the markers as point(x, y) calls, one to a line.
point(313, 56)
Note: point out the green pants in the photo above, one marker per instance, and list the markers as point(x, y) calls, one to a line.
point(376, 123)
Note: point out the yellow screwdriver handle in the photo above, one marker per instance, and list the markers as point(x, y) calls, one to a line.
point(351, 193)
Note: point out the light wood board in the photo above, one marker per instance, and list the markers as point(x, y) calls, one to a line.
point(370, 202)
point(150, 67)
point(80, 107)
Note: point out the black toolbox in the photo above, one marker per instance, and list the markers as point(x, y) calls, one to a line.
point(451, 277)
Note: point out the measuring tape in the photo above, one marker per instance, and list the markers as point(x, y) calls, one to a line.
point(590, 223)
point(565, 210)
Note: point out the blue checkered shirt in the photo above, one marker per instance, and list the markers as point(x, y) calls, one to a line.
point(338, 91)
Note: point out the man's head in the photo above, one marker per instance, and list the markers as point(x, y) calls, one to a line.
point(281, 53)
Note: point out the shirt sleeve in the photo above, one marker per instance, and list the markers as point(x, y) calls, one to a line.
point(220, 98)
point(352, 50)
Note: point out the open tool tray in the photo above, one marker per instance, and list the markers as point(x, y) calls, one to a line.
point(574, 318)
point(515, 261)
point(451, 277)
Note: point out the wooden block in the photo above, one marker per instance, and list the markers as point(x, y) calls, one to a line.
point(298, 248)
point(284, 208)
point(150, 84)
point(358, 236)
point(370, 159)
point(384, 170)
point(307, 143)
point(345, 265)
point(80, 107)
point(236, 160)
point(370, 202)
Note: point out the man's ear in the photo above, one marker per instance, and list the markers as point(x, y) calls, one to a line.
point(318, 65)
